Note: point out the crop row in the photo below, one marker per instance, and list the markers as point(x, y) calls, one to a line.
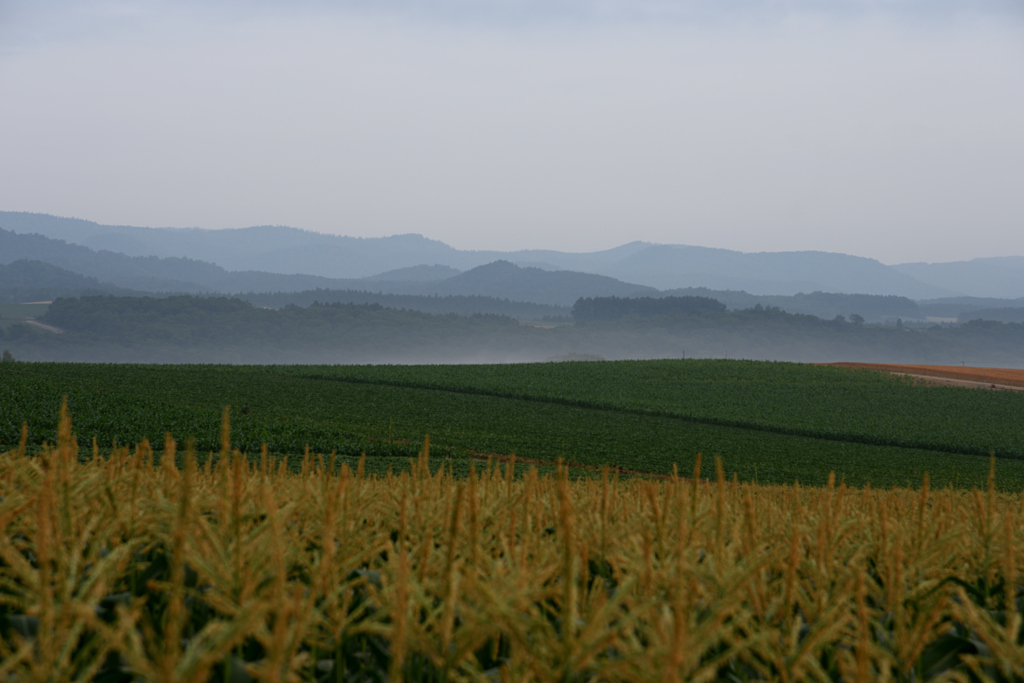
point(116, 570)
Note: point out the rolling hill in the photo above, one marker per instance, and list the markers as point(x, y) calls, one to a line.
point(23, 281)
point(153, 273)
point(559, 287)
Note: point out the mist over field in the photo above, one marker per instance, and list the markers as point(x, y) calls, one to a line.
point(180, 329)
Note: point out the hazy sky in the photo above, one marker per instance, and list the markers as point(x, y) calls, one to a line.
point(891, 129)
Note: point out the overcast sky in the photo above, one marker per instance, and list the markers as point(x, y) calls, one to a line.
point(890, 129)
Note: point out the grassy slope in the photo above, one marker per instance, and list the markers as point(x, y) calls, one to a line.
point(291, 406)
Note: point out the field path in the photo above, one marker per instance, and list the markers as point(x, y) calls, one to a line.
point(950, 375)
point(43, 326)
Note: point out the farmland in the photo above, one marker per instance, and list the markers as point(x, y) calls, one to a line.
point(112, 569)
point(770, 422)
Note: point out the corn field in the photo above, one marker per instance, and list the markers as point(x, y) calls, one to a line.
point(113, 568)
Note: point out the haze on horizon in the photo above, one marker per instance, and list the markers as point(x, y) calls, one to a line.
point(887, 129)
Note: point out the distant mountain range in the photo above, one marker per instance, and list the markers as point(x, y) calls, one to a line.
point(997, 277)
point(49, 256)
point(293, 252)
point(152, 274)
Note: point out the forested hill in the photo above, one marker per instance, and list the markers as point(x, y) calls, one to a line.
point(150, 273)
point(558, 288)
point(826, 305)
point(614, 308)
point(194, 329)
point(23, 281)
point(500, 288)
point(500, 279)
point(465, 304)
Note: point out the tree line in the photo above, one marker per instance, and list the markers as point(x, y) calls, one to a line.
point(608, 308)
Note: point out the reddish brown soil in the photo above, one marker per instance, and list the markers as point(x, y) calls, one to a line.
point(1000, 377)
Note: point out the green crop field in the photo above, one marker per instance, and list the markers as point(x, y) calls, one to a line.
point(770, 422)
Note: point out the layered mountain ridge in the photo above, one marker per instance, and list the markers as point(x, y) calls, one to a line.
point(280, 250)
point(281, 259)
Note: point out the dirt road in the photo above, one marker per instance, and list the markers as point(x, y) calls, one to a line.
point(950, 375)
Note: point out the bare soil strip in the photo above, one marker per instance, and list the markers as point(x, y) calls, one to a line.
point(950, 375)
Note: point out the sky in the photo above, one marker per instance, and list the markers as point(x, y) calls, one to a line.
point(892, 129)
